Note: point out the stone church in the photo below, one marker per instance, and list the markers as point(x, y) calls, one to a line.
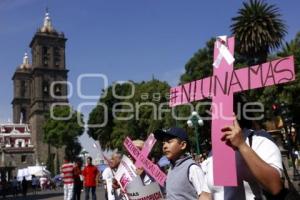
point(39, 83)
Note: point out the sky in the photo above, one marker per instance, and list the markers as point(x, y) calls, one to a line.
point(121, 39)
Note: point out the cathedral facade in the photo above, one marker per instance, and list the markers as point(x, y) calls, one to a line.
point(40, 83)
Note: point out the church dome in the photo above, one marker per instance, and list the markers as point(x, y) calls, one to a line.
point(47, 26)
point(25, 64)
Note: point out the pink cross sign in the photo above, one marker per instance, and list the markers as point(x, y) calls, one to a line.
point(146, 149)
point(141, 157)
point(221, 87)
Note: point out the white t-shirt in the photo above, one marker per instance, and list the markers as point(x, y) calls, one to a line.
point(107, 173)
point(196, 177)
point(266, 150)
point(108, 176)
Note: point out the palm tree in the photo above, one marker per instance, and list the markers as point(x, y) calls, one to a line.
point(258, 29)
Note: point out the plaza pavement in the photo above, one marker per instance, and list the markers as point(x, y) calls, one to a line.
point(52, 195)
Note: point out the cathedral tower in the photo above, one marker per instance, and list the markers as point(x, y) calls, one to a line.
point(39, 85)
point(22, 92)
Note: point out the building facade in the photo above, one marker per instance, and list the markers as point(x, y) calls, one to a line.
point(16, 149)
point(40, 83)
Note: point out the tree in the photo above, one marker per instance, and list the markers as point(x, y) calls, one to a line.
point(63, 131)
point(148, 98)
point(135, 117)
point(200, 65)
point(258, 29)
point(100, 120)
point(289, 93)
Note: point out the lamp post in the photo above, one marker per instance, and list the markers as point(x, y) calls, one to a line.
point(83, 154)
point(195, 121)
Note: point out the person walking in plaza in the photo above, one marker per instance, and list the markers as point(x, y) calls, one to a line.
point(15, 186)
point(67, 170)
point(185, 179)
point(107, 177)
point(78, 184)
point(115, 161)
point(34, 184)
point(24, 186)
point(43, 182)
point(90, 179)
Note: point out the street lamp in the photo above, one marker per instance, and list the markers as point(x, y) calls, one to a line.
point(83, 154)
point(195, 121)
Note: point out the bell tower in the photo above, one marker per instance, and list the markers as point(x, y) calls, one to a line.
point(39, 85)
point(22, 93)
point(48, 67)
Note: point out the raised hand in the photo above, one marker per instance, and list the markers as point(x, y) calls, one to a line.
point(232, 135)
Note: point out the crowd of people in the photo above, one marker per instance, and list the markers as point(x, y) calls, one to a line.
point(259, 167)
point(75, 179)
point(15, 187)
point(258, 162)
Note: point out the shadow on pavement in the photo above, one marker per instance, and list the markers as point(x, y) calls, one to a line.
point(37, 196)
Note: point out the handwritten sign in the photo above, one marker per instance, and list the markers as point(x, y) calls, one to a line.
point(221, 87)
point(126, 172)
point(146, 149)
point(152, 169)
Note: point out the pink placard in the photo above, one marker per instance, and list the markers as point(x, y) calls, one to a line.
point(271, 73)
point(151, 169)
point(224, 164)
point(146, 149)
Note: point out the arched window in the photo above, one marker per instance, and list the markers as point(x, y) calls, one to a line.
point(56, 57)
point(45, 56)
point(57, 90)
point(23, 115)
point(45, 89)
point(22, 89)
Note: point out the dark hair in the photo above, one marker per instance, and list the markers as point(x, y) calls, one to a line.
point(238, 107)
point(90, 158)
point(188, 146)
point(67, 158)
point(78, 160)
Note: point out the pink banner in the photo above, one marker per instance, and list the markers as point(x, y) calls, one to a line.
point(229, 81)
point(224, 164)
point(151, 169)
point(146, 149)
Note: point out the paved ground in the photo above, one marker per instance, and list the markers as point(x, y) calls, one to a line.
point(52, 195)
point(58, 194)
